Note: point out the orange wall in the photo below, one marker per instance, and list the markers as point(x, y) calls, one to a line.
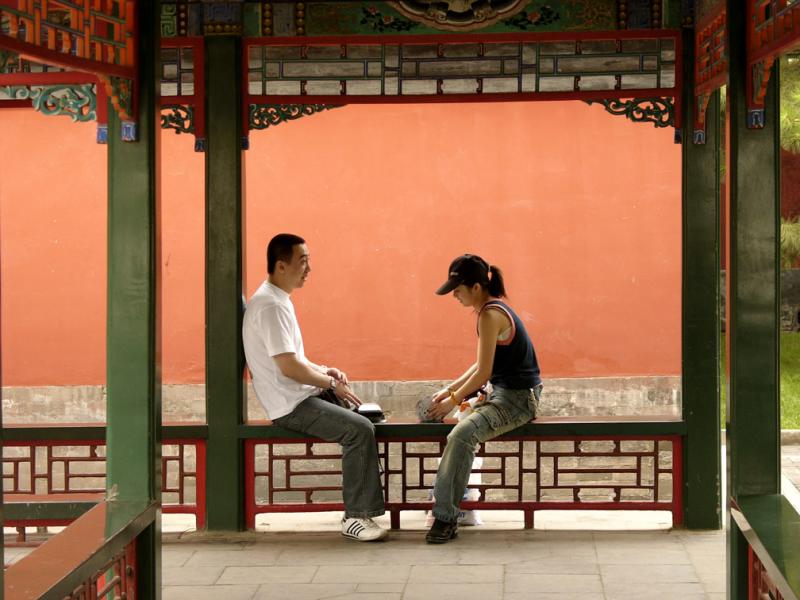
point(52, 250)
point(580, 209)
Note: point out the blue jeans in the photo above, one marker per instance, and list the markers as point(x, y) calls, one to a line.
point(362, 492)
point(503, 411)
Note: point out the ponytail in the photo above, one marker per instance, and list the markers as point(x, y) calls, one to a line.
point(496, 285)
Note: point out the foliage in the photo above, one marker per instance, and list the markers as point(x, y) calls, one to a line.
point(790, 380)
point(790, 242)
point(790, 103)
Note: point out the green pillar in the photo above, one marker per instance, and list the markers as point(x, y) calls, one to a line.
point(224, 267)
point(133, 329)
point(753, 202)
point(753, 294)
point(700, 319)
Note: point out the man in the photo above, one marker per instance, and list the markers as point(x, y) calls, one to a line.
point(289, 385)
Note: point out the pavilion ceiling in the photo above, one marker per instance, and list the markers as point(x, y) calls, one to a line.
point(71, 57)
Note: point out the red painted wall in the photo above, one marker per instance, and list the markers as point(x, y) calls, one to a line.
point(52, 251)
point(580, 209)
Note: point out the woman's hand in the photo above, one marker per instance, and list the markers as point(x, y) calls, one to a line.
point(441, 395)
point(441, 407)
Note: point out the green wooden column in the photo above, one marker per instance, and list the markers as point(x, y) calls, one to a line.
point(224, 267)
point(700, 301)
point(753, 294)
point(133, 328)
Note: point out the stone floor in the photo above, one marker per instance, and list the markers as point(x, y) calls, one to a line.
point(482, 564)
point(569, 556)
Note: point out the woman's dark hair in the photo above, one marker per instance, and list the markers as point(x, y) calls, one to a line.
point(497, 286)
point(281, 247)
point(488, 276)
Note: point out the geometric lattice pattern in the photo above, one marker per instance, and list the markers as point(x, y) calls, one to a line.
point(711, 60)
point(183, 86)
point(710, 65)
point(54, 469)
point(759, 582)
point(94, 39)
point(97, 33)
point(438, 66)
point(71, 467)
point(183, 474)
point(523, 473)
point(116, 580)
point(177, 71)
point(773, 26)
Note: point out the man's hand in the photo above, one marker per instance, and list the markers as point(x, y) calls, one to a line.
point(343, 391)
point(441, 407)
point(337, 375)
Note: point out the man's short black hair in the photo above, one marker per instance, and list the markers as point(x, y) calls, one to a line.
point(281, 247)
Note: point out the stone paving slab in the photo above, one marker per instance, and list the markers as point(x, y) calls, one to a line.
point(565, 558)
point(215, 592)
point(309, 591)
point(550, 596)
point(534, 565)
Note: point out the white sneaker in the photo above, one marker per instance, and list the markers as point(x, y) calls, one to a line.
point(362, 529)
point(469, 517)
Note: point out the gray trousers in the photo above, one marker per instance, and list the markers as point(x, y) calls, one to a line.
point(504, 410)
point(361, 485)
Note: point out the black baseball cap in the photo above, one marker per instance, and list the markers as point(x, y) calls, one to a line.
point(467, 269)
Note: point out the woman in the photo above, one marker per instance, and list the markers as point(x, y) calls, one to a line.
point(506, 359)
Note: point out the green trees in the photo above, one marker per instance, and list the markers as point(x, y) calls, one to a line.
point(790, 242)
point(790, 103)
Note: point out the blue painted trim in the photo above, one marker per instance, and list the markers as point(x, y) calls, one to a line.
point(129, 131)
point(245, 143)
point(678, 138)
point(102, 133)
point(699, 136)
point(755, 118)
point(199, 145)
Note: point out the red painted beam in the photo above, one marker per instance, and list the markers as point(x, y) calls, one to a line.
point(50, 78)
point(503, 97)
point(475, 38)
point(59, 59)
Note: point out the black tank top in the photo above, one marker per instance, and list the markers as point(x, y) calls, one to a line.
point(515, 366)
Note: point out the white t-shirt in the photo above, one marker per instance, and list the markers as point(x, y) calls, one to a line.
point(270, 327)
